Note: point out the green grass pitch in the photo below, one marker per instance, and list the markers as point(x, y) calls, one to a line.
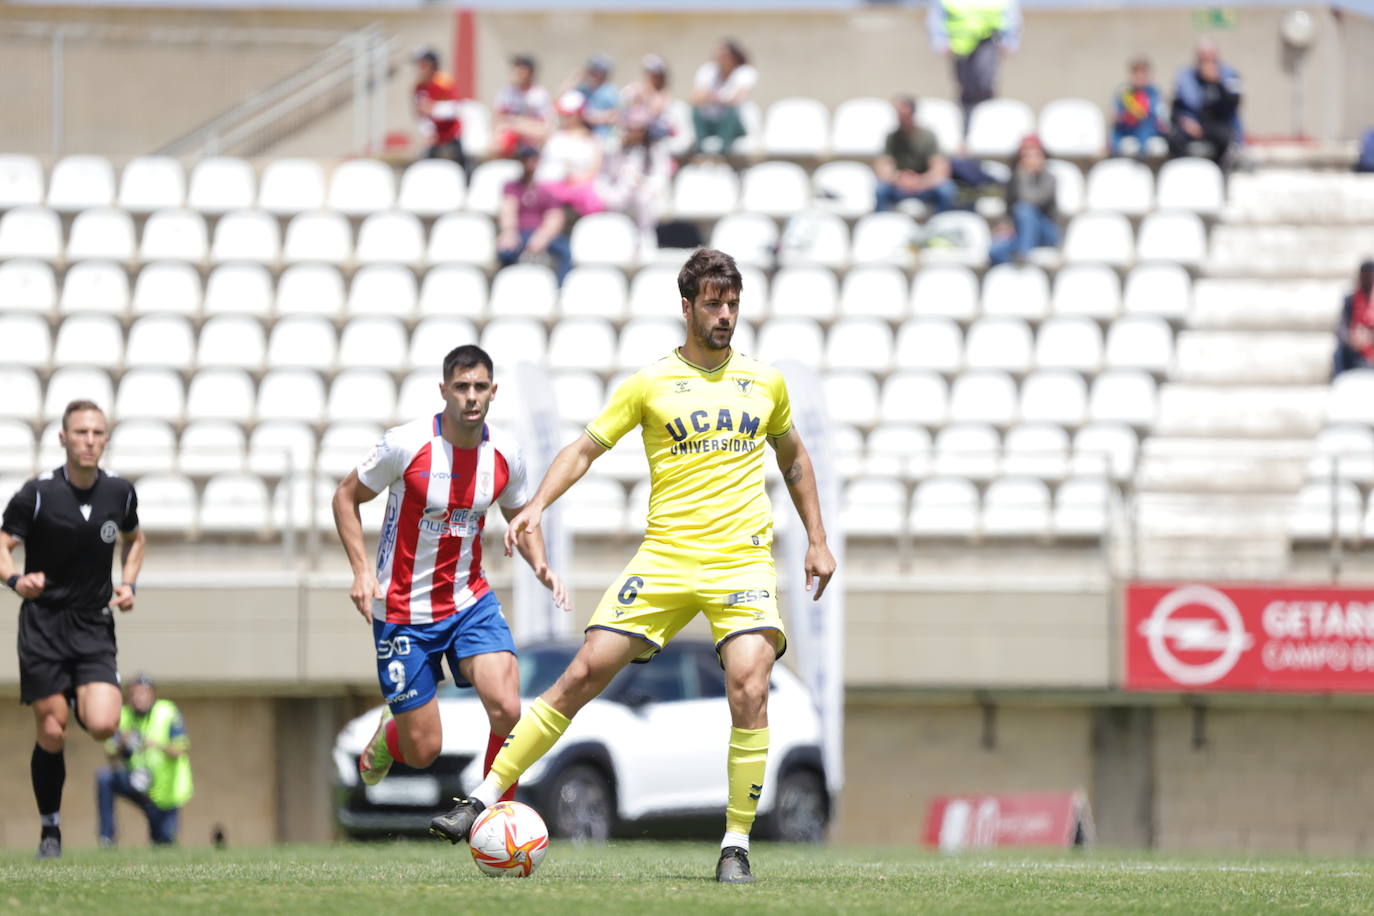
point(644, 877)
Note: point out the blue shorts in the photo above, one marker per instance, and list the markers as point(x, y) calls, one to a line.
point(410, 656)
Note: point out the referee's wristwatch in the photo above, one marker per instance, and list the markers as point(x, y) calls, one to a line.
point(133, 587)
point(12, 581)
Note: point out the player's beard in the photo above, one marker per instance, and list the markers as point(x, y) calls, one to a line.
point(709, 336)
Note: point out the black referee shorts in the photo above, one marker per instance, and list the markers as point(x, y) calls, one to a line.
point(61, 649)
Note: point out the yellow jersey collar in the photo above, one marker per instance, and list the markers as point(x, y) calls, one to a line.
point(677, 351)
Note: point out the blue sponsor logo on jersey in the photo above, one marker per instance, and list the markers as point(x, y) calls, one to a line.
point(701, 421)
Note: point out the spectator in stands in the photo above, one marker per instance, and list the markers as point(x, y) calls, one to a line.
point(1139, 120)
point(976, 35)
point(1355, 335)
point(149, 764)
point(1205, 120)
point(1030, 204)
point(532, 219)
point(601, 105)
point(721, 86)
point(912, 164)
point(571, 160)
point(640, 173)
point(523, 113)
point(436, 109)
point(647, 99)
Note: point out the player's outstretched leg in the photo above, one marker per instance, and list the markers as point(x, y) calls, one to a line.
point(376, 759)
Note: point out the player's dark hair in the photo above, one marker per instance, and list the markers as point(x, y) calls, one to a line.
point(76, 407)
point(906, 101)
point(466, 357)
point(736, 51)
point(708, 268)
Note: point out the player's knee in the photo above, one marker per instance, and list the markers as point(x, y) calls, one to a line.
point(503, 715)
point(747, 689)
point(52, 734)
point(425, 752)
point(102, 731)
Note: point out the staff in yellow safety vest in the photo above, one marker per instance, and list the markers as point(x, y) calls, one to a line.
point(150, 764)
point(974, 34)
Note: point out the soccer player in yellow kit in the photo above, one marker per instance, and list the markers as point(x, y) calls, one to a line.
point(705, 412)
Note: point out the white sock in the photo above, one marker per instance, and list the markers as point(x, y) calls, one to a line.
point(736, 839)
point(488, 792)
point(50, 820)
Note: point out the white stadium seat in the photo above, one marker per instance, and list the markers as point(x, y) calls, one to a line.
point(310, 289)
point(1345, 451)
point(291, 394)
point(174, 235)
point(151, 183)
point(1069, 186)
point(72, 383)
point(25, 341)
point(815, 237)
point(95, 286)
point(167, 287)
point(17, 450)
point(361, 186)
point(581, 343)
point(859, 343)
point(899, 450)
point(1054, 396)
point(50, 451)
point(391, 237)
point(281, 447)
point(1191, 184)
point(1105, 449)
point(844, 188)
point(1140, 342)
point(31, 232)
point(798, 339)
point(775, 189)
point(1178, 237)
point(580, 396)
point(1352, 397)
point(704, 191)
point(796, 127)
point(996, 127)
point(860, 127)
point(373, 341)
point(383, 289)
point(1102, 238)
point(462, 238)
point(915, 397)
point(524, 291)
point(303, 503)
point(162, 341)
point(344, 445)
point(873, 507)
point(435, 336)
point(1123, 396)
point(225, 394)
point(454, 289)
point(1039, 450)
point(983, 397)
point(243, 289)
point(1016, 291)
point(23, 398)
point(211, 447)
point(999, 343)
point(167, 504)
point(140, 447)
point(220, 184)
point(81, 183)
point(362, 395)
point(935, 344)
point(879, 291)
point(1323, 508)
point(419, 394)
point(150, 394)
point(27, 286)
point(596, 506)
point(1016, 508)
point(234, 504)
point(943, 118)
point(432, 187)
point(1081, 507)
point(1087, 291)
point(593, 292)
point(1069, 343)
point(751, 238)
point(883, 238)
point(232, 341)
point(21, 181)
point(1121, 186)
point(605, 238)
point(944, 507)
point(1158, 289)
point(89, 340)
point(291, 186)
point(489, 180)
point(971, 450)
point(963, 239)
point(1073, 128)
point(805, 292)
point(644, 340)
point(246, 235)
point(852, 397)
point(318, 236)
point(945, 291)
point(511, 340)
point(302, 342)
point(101, 233)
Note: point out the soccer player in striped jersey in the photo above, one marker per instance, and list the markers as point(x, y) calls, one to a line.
point(428, 598)
point(705, 412)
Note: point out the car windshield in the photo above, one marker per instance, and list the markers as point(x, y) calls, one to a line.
point(539, 668)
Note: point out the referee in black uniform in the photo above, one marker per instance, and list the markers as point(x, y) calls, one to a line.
point(68, 520)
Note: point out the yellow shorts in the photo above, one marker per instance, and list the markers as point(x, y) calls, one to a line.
point(663, 588)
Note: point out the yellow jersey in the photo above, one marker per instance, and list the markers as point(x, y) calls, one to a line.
point(704, 432)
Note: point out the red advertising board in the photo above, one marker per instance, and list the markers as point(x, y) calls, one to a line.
point(958, 822)
point(1274, 638)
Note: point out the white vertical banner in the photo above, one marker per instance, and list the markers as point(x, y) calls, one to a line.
point(538, 429)
point(816, 628)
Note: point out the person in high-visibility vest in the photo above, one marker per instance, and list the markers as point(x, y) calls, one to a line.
point(150, 764)
point(975, 34)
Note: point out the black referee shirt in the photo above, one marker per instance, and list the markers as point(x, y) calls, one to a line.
point(69, 535)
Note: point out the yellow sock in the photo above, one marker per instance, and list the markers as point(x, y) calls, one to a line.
point(744, 768)
point(537, 731)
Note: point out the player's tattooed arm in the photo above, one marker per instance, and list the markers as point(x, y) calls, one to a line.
point(792, 475)
point(795, 464)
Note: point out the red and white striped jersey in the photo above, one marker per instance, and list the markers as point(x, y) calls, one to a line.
point(429, 561)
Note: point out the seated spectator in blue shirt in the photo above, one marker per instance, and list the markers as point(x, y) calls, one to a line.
point(1206, 111)
point(601, 110)
point(1139, 113)
point(912, 165)
point(1031, 203)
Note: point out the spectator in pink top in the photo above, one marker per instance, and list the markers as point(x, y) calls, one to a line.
point(532, 220)
point(570, 162)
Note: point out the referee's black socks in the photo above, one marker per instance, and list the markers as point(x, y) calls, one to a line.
point(49, 772)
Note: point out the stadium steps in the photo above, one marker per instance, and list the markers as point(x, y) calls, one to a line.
point(1291, 251)
point(1252, 358)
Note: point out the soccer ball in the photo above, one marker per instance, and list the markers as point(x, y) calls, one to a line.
point(508, 839)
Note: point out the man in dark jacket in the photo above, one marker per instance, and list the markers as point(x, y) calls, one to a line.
point(1206, 111)
point(1355, 335)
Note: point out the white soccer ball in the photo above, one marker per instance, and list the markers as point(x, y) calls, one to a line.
point(508, 839)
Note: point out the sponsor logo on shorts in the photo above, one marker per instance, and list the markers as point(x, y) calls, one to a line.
point(410, 694)
point(107, 532)
point(389, 648)
point(746, 597)
point(619, 612)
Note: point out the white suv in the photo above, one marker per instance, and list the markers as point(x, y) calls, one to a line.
point(648, 754)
